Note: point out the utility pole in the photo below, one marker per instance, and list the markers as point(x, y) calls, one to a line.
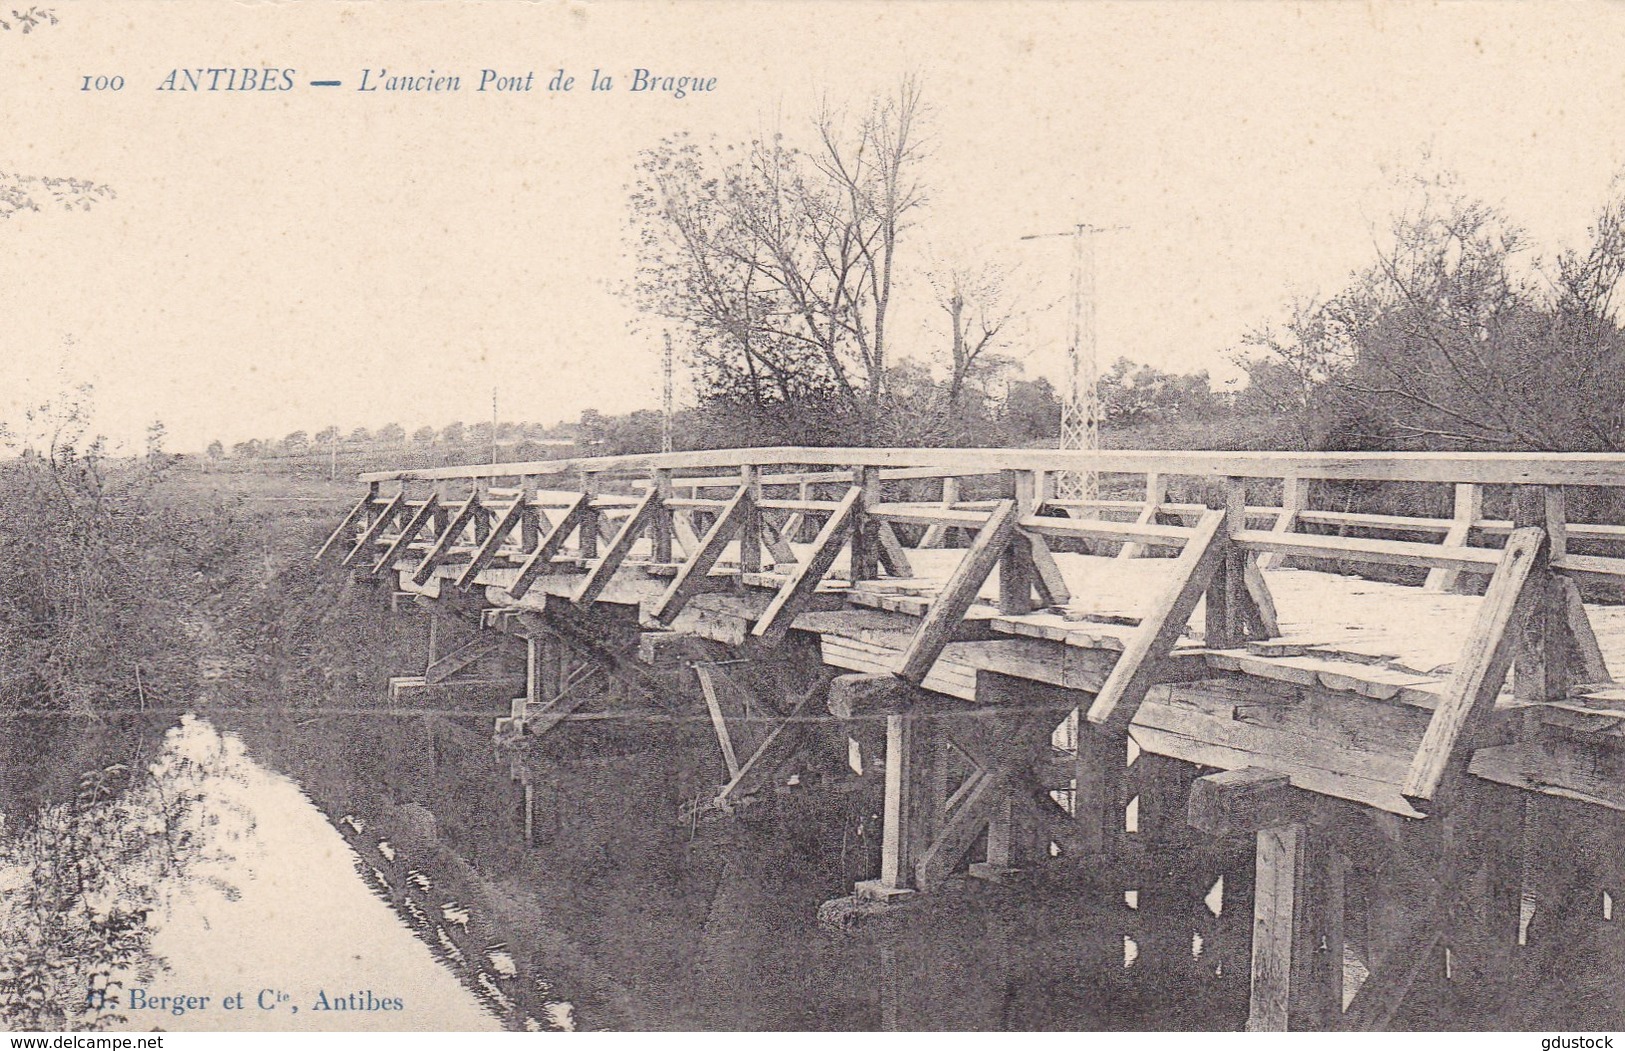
point(1080, 410)
point(493, 424)
point(665, 404)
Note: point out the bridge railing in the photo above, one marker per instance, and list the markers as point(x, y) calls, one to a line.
point(800, 486)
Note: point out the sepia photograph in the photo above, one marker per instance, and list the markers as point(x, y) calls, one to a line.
point(829, 515)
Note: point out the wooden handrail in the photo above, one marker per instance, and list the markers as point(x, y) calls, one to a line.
point(1596, 469)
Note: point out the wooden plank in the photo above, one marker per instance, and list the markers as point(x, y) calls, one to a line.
point(1469, 509)
point(1147, 535)
point(370, 535)
point(719, 720)
point(409, 533)
point(936, 629)
point(461, 657)
point(1480, 560)
point(793, 598)
point(893, 558)
point(1592, 666)
point(541, 560)
point(570, 696)
point(690, 579)
point(642, 516)
point(1136, 671)
point(1479, 673)
point(356, 513)
point(448, 537)
point(1048, 579)
point(487, 553)
point(1578, 469)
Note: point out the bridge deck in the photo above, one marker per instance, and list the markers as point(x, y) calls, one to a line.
point(1341, 714)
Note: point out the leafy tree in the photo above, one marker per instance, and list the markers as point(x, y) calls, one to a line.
point(328, 435)
point(1460, 336)
point(296, 442)
point(779, 264)
point(359, 436)
point(1131, 394)
point(391, 433)
point(453, 433)
point(424, 435)
point(216, 450)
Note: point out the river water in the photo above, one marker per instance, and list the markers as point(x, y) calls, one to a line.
point(396, 869)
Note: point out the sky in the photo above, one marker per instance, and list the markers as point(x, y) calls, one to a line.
point(281, 261)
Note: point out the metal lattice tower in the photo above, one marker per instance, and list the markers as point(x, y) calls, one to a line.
point(1080, 411)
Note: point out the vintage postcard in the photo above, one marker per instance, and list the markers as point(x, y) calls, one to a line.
point(738, 516)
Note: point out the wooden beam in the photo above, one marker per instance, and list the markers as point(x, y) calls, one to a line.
point(1297, 974)
point(356, 513)
point(719, 720)
point(1156, 494)
point(409, 533)
point(1243, 802)
point(893, 557)
point(1294, 501)
point(1017, 573)
point(936, 534)
point(461, 657)
point(780, 744)
point(448, 537)
point(487, 553)
point(793, 597)
point(690, 579)
point(1479, 672)
point(1048, 579)
point(1136, 670)
point(641, 518)
point(1469, 509)
point(865, 540)
point(540, 560)
point(370, 535)
point(958, 594)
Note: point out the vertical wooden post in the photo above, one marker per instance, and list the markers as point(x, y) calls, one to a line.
point(1543, 666)
point(660, 530)
point(1469, 509)
point(865, 537)
point(530, 532)
point(1016, 570)
point(1297, 973)
point(750, 522)
point(1227, 595)
point(588, 533)
point(910, 819)
point(1097, 793)
point(374, 505)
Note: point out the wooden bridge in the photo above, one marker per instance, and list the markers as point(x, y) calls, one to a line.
point(1401, 704)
